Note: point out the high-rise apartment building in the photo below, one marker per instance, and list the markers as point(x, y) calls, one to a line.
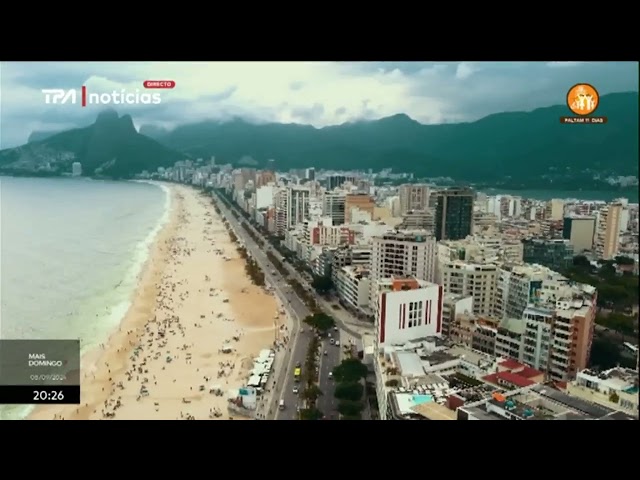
point(557, 338)
point(470, 279)
point(281, 201)
point(554, 209)
point(333, 206)
point(557, 254)
point(335, 181)
point(402, 254)
point(414, 196)
point(454, 214)
point(297, 205)
point(580, 231)
point(608, 231)
point(310, 174)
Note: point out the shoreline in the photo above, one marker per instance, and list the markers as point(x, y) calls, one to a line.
point(169, 319)
point(95, 354)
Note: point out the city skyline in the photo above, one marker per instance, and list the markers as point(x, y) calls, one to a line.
point(316, 93)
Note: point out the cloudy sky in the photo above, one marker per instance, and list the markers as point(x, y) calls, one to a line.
point(317, 93)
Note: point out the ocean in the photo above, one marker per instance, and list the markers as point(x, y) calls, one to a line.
point(70, 254)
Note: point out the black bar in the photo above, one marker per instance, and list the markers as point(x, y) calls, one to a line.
point(40, 394)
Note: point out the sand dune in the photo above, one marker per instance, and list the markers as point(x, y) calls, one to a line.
point(167, 351)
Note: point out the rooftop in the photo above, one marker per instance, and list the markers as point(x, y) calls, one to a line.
point(541, 402)
point(508, 379)
point(618, 379)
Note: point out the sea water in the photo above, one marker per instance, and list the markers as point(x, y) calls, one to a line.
point(71, 251)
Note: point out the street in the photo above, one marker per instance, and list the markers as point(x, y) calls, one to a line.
point(327, 403)
point(302, 334)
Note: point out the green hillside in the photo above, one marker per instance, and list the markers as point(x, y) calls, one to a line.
point(110, 147)
point(515, 146)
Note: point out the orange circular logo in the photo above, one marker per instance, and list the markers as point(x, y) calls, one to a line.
point(583, 99)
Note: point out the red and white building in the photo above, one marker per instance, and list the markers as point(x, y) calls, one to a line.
point(408, 309)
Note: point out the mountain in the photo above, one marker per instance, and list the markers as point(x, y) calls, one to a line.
point(153, 131)
point(509, 148)
point(111, 147)
point(38, 136)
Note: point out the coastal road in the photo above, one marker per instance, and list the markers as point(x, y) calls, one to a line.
point(299, 341)
point(326, 403)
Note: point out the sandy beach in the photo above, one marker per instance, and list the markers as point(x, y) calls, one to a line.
point(193, 298)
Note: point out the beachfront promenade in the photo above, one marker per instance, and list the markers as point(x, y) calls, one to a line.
point(296, 309)
point(347, 325)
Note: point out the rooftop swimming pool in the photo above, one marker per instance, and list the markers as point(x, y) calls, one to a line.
point(420, 399)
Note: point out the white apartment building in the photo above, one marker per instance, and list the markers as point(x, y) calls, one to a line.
point(402, 254)
point(482, 249)
point(297, 205)
point(470, 267)
point(519, 285)
point(265, 197)
point(367, 231)
point(414, 197)
point(407, 309)
point(616, 388)
point(352, 286)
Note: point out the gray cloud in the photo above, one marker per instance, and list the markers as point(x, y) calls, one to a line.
point(322, 94)
point(307, 114)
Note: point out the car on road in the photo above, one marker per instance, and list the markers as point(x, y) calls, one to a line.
point(295, 389)
point(337, 343)
point(330, 374)
point(298, 364)
point(332, 341)
point(325, 352)
point(335, 329)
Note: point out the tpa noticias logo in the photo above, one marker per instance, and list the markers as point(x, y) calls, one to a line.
point(61, 96)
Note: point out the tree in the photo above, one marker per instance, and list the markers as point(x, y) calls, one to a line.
point(349, 408)
point(322, 284)
point(624, 324)
point(350, 370)
point(349, 391)
point(320, 321)
point(310, 414)
point(582, 261)
point(606, 353)
point(623, 260)
point(311, 394)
